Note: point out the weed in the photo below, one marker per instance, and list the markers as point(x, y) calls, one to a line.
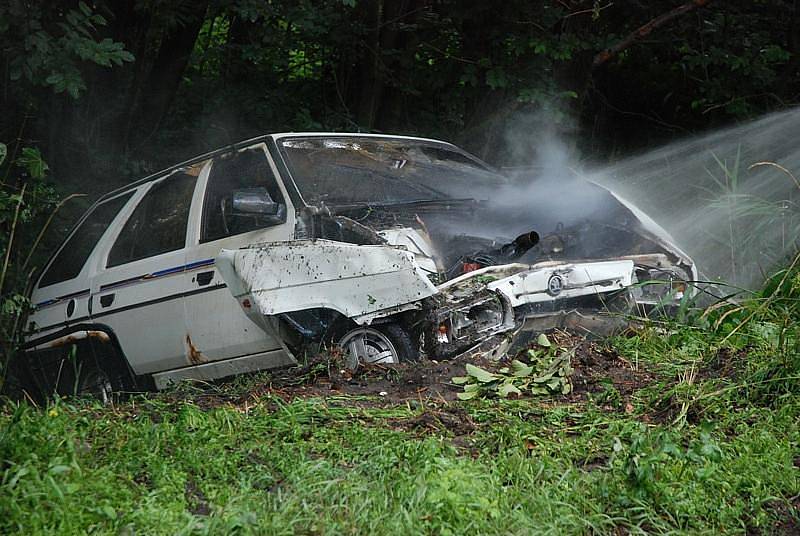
point(547, 371)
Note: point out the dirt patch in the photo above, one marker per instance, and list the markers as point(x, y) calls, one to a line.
point(598, 462)
point(599, 373)
point(196, 501)
point(724, 364)
point(389, 384)
point(786, 518)
point(450, 419)
point(602, 374)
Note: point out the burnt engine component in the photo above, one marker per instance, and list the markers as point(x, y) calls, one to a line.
point(491, 256)
point(336, 227)
point(519, 246)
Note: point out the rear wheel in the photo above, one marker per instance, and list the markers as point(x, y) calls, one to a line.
point(385, 343)
point(95, 382)
point(101, 373)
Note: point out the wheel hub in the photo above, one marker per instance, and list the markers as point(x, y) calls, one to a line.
point(368, 345)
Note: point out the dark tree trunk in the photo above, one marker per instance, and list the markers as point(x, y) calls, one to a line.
point(391, 113)
point(364, 83)
point(483, 107)
point(369, 76)
point(161, 84)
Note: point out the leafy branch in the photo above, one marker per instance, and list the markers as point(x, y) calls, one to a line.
point(546, 371)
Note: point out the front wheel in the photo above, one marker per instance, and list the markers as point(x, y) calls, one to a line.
point(386, 343)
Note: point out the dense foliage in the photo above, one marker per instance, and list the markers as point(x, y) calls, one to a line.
point(140, 83)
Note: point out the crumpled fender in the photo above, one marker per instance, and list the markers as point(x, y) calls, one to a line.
point(358, 281)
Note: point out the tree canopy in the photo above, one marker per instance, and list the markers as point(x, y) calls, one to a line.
point(111, 90)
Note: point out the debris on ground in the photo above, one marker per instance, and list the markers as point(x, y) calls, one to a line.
point(542, 369)
point(581, 370)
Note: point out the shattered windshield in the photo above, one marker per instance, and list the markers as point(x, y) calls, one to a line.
point(355, 170)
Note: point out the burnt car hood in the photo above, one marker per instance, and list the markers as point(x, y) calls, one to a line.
point(465, 234)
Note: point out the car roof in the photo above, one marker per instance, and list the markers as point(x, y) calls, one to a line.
point(245, 143)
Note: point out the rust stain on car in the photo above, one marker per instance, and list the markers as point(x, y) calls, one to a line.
point(195, 356)
point(74, 338)
point(195, 170)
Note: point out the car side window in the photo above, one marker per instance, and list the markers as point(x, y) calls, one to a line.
point(245, 171)
point(158, 225)
point(69, 261)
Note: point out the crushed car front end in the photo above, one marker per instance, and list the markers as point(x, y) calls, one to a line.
point(408, 233)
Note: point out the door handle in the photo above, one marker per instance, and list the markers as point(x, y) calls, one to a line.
point(106, 300)
point(204, 278)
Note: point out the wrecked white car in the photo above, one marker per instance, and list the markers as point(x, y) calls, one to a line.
point(389, 247)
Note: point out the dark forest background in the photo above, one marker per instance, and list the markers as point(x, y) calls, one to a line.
point(110, 90)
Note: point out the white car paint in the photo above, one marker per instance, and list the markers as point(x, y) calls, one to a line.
point(356, 281)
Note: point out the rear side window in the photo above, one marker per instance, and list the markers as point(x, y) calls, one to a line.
point(158, 224)
point(70, 259)
point(248, 169)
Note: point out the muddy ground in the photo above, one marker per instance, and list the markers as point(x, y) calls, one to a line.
point(599, 372)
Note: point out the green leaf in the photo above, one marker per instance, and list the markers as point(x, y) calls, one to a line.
point(496, 78)
point(3, 153)
point(467, 395)
point(542, 340)
point(124, 55)
point(54, 79)
point(507, 389)
point(31, 160)
point(543, 378)
point(86, 10)
point(521, 370)
point(459, 380)
point(109, 512)
point(483, 376)
point(58, 469)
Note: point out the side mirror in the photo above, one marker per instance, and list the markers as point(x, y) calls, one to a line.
point(255, 201)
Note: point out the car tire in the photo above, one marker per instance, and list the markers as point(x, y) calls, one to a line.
point(100, 375)
point(94, 382)
point(384, 343)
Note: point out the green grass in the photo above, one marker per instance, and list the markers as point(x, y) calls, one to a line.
point(711, 446)
point(328, 467)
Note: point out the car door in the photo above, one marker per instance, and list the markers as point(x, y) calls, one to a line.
point(62, 296)
point(217, 326)
point(139, 289)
